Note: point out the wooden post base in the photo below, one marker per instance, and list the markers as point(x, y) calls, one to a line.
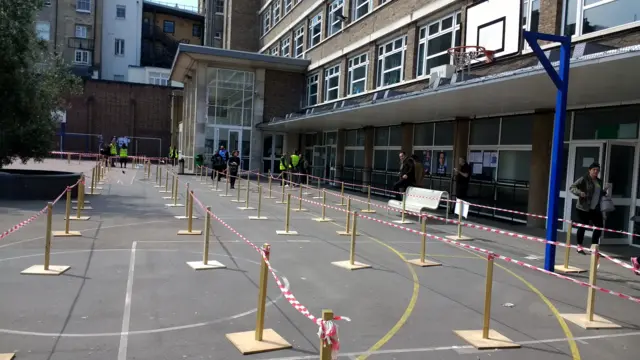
point(39, 270)
point(246, 342)
point(495, 340)
point(583, 321)
point(210, 265)
point(426, 263)
point(192, 232)
point(569, 269)
point(347, 265)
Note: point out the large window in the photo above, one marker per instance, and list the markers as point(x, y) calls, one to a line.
point(433, 145)
point(354, 156)
point(82, 57)
point(285, 47)
point(391, 61)
point(357, 74)
point(158, 78)
point(298, 42)
point(287, 6)
point(83, 5)
point(434, 41)
point(82, 31)
point(361, 8)
point(612, 123)
point(386, 148)
point(230, 97)
point(312, 90)
point(315, 30)
point(119, 47)
point(335, 17)
point(43, 30)
point(276, 11)
point(266, 20)
point(586, 16)
point(331, 83)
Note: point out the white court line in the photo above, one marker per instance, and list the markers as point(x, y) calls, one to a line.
point(96, 228)
point(126, 319)
point(134, 176)
point(456, 347)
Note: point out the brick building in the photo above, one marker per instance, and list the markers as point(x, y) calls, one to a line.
point(353, 82)
point(109, 108)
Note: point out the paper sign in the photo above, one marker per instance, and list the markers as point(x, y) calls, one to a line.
point(586, 162)
point(465, 208)
point(486, 159)
point(477, 168)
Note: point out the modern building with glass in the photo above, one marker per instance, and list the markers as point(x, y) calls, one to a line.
point(351, 83)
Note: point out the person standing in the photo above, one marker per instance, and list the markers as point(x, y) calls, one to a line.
point(218, 164)
point(294, 168)
point(123, 156)
point(407, 175)
point(462, 178)
point(113, 151)
point(284, 166)
point(234, 165)
point(589, 190)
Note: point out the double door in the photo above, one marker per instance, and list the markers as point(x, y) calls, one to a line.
point(618, 168)
point(324, 161)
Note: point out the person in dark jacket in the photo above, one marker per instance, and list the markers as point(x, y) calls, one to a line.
point(463, 175)
point(218, 164)
point(589, 190)
point(407, 175)
point(234, 165)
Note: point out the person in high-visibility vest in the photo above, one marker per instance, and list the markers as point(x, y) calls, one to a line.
point(176, 155)
point(293, 165)
point(284, 162)
point(123, 156)
point(113, 152)
point(171, 155)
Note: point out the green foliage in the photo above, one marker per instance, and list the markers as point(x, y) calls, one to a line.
point(34, 84)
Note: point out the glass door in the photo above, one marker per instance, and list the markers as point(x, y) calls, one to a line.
point(272, 146)
point(331, 163)
point(619, 174)
point(319, 161)
point(580, 157)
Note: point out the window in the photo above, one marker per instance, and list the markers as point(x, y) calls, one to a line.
point(391, 61)
point(276, 11)
point(274, 51)
point(387, 142)
point(118, 77)
point(43, 30)
point(335, 17)
point(266, 20)
point(587, 16)
point(121, 11)
point(219, 6)
point(83, 5)
point(218, 35)
point(82, 57)
point(435, 39)
point(357, 74)
point(168, 27)
point(285, 47)
point(530, 17)
point(119, 47)
point(331, 83)
point(82, 31)
point(288, 4)
point(157, 78)
point(360, 8)
point(196, 31)
point(312, 90)
point(433, 145)
point(298, 42)
point(315, 30)
point(47, 2)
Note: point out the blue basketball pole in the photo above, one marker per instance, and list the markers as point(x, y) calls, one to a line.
point(561, 81)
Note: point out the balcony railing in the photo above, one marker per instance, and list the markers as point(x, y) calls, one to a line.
point(80, 43)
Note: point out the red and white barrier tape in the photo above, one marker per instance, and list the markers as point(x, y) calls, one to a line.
point(327, 330)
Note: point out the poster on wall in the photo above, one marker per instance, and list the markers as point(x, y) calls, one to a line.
point(477, 168)
point(426, 161)
point(441, 165)
point(123, 140)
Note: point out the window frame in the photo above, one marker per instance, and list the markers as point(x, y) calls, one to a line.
point(275, 50)
point(82, 52)
point(266, 21)
point(423, 40)
point(288, 6)
point(381, 70)
point(86, 31)
point(173, 26)
point(527, 10)
point(193, 30)
point(219, 4)
point(580, 9)
point(163, 79)
point(277, 11)
point(330, 73)
point(80, 8)
point(311, 80)
point(285, 44)
point(119, 47)
point(351, 68)
point(355, 7)
point(217, 35)
point(124, 10)
point(48, 32)
point(315, 21)
point(332, 19)
point(298, 35)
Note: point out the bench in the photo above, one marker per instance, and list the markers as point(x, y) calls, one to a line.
point(419, 200)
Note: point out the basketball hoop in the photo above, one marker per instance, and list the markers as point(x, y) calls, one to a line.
point(463, 56)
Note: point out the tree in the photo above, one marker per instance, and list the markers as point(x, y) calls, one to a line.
point(34, 85)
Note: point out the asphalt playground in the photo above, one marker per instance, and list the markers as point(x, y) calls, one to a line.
point(130, 294)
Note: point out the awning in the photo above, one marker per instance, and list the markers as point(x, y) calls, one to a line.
point(607, 78)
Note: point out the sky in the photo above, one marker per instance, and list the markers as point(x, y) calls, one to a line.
point(184, 2)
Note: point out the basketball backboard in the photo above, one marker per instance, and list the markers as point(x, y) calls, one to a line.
point(495, 25)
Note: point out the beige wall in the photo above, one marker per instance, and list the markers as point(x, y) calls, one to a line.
point(183, 27)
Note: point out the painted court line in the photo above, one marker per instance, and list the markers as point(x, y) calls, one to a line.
point(126, 319)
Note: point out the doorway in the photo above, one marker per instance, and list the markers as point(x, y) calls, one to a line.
point(272, 148)
point(324, 161)
point(617, 161)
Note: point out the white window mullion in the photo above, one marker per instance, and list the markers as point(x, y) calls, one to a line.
point(357, 74)
point(312, 90)
point(332, 83)
point(386, 51)
point(285, 47)
point(298, 42)
point(276, 12)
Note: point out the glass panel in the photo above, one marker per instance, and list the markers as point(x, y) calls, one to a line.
point(349, 158)
point(425, 159)
point(381, 136)
point(621, 170)
point(359, 159)
point(584, 157)
point(245, 151)
point(437, 61)
point(618, 219)
point(612, 14)
point(331, 138)
point(607, 123)
point(267, 146)
point(393, 160)
point(563, 169)
point(423, 134)
point(444, 133)
point(380, 160)
point(484, 132)
point(223, 138)
point(352, 137)
point(234, 138)
point(279, 145)
point(516, 130)
point(514, 165)
point(439, 44)
point(636, 229)
point(395, 137)
point(570, 17)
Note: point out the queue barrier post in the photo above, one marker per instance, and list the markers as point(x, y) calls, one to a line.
point(287, 216)
point(206, 264)
point(247, 196)
point(186, 207)
point(190, 230)
point(422, 261)
point(94, 181)
point(352, 264)
point(67, 214)
point(259, 216)
point(158, 177)
point(226, 187)
point(589, 320)
point(69, 159)
point(259, 340)
point(300, 209)
point(403, 220)
point(282, 201)
point(319, 192)
point(565, 267)
point(149, 170)
point(173, 188)
point(269, 182)
point(166, 183)
point(460, 208)
point(323, 218)
point(325, 347)
point(341, 203)
point(487, 338)
point(80, 205)
point(307, 185)
point(175, 193)
point(238, 188)
point(347, 230)
point(47, 268)
point(368, 209)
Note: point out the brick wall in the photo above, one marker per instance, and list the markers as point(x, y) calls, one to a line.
point(120, 109)
point(243, 29)
point(282, 93)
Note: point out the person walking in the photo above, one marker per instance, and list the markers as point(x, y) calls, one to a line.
point(123, 156)
point(234, 165)
point(589, 190)
point(218, 164)
point(407, 175)
point(462, 178)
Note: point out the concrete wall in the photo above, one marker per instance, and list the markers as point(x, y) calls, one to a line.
point(282, 93)
point(129, 30)
point(183, 29)
point(140, 75)
point(241, 29)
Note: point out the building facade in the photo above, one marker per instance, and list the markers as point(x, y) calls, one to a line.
point(380, 80)
point(122, 37)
